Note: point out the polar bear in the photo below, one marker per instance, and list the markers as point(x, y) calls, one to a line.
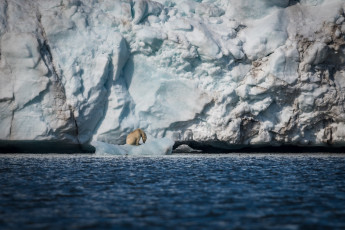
point(133, 137)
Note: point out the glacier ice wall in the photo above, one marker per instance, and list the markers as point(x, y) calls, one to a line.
point(221, 72)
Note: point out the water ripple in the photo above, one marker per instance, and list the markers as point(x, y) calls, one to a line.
point(185, 192)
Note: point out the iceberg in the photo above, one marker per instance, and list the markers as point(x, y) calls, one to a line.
point(225, 73)
point(153, 147)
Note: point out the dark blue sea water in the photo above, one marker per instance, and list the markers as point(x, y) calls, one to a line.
point(172, 192)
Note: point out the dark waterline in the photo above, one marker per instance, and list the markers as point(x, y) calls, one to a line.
point(234, 191)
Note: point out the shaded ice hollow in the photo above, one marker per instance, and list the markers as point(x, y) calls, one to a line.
point(225, 73)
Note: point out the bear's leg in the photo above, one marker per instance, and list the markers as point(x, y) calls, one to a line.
point(130, 140)
point(137, 141)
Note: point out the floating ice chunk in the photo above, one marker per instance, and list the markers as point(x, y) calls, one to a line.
point(160, 146)
point(186, 149)
point(105, 148)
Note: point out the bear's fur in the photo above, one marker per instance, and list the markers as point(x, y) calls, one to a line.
point(133, 138)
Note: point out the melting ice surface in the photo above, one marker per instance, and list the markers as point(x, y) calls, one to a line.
point(152, 147)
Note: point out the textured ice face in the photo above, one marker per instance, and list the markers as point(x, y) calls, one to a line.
point(215, 71)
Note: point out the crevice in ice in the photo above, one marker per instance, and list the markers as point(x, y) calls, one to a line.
point(239, 28)
point(6, 15)
point(12, 118)
point(6, 99)
point(132, 9)
point(45, 49)
point(330, 140)
point(75, 123)
point(82, 88)
point(249, 128)
point(47, 58)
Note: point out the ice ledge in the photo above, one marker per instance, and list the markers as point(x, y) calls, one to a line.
point(159, 146)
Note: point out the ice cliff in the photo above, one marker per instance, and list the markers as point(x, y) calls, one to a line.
point(225, 73)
